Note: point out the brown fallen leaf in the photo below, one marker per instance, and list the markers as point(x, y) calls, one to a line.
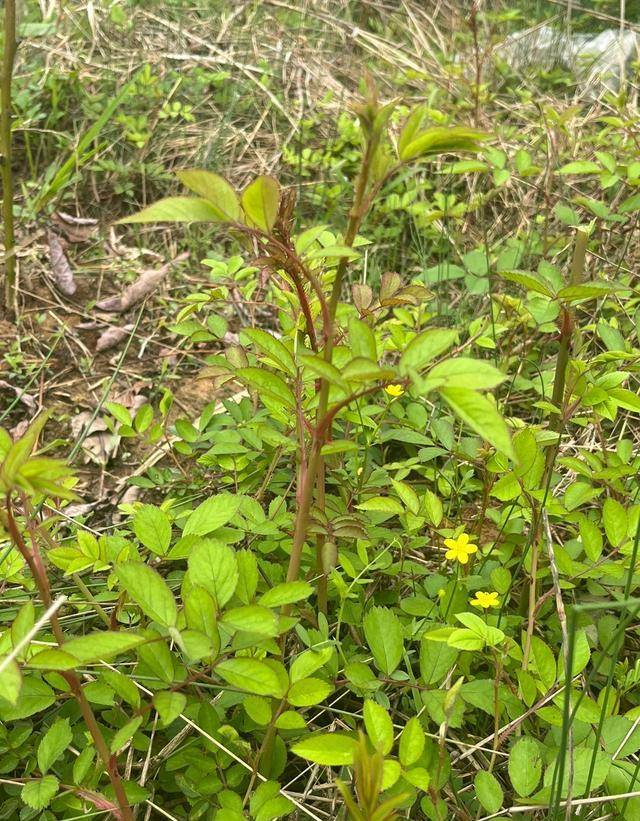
point(62, 273)
point(30, 401)
point(112, 337)
point(146, 283)
point(75, 229)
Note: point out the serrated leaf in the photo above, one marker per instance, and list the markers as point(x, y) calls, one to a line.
point(39, 793)
point(169, 705)
point(529, 280)
point(213, 565)
point(481, 415)
point(488, 791)
point(252, 619)
point(378, 725)
point(525, 766)
point(286, 593)
point(54, 742)
point(327, 749)
point(212, 514)
point(10, 681)
point(382, 504)
point(580, 167)
point(149, 591)
point(412, 742)
point(251, 675)
point(153, 528)
point(308, 691)
point(383, 633)
point(425, 347)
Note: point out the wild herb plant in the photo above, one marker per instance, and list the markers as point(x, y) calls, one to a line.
point(382, 579)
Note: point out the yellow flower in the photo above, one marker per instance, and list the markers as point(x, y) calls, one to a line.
point(460, 549)
point(485, 600)
point(394, 390)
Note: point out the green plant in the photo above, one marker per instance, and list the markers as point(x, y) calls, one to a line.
point(9, 46)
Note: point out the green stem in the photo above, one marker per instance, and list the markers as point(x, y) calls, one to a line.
point(8, 59)
point(557, 423)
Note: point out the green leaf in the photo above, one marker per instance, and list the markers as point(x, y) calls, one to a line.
point(34, 697)
point(260, 203)
point(488, 791)
point(327, 749)
point(383, 632)
point(212, 514)
point(251, 675)
point(440, 140)
point(425, 347)
point(247, 575)
point(270, 383)
point(308, 662)
point(153, 528)
point(529, 280)
point(169, 705)
point(10, 682)
point(276, 350)
point(334, 252)
point(54, 742)
point(382, 504)
point(436, 659)
point(124, 735)
point(379, 726)
point(481, 415)
point(38, 794)
point(591, 539)
point(625, 399)
point(215, 189)
point(418, 777)
point(412, 742)
point(175, 209)
point(252, 619)
point(286, 593)
point(580, 167)
point(362, 340)
point(149, 591)
point(543, 663)
point(615, 521)
point(98, 646)
point(213, 565)
point(588, 290)
point(464, 372)
point(525, 765)
point(200, 612)
point(308, 691)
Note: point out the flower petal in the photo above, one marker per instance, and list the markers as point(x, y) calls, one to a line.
point(463, 538)
point(450, 543)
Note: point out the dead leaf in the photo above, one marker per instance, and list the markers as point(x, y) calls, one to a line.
point(112, 337)
point(99, 444)
point(100, 802)
point(26, 398)
point(62, 273)
point(75, 229)
point(146, 283)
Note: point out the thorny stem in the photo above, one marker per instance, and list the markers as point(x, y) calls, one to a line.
point(8, 59)
point(38, 572)
point(557, 423)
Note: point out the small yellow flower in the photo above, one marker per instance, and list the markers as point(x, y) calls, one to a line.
point(460, 549)
point(394, 390)
point(485, 600)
